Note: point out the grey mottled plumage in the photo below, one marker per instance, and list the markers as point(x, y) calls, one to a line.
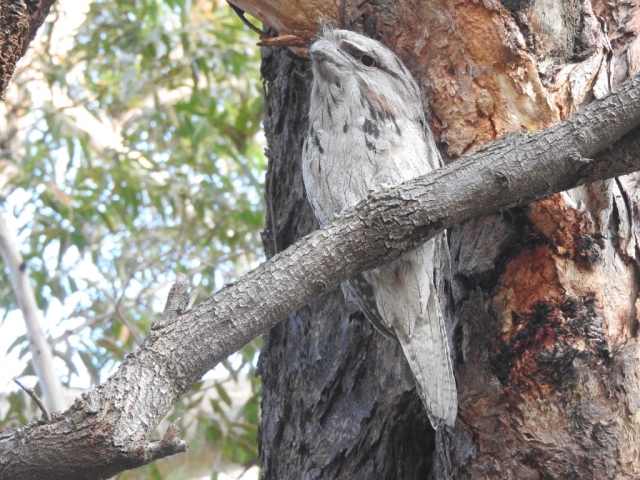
point(367, 132)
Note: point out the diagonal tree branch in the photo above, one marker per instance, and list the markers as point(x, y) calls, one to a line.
point(110, 426)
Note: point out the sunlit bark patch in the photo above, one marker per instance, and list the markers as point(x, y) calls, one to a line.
point(528, 280)
point(564, 227)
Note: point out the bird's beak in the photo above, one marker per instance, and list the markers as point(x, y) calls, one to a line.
point(322, 51)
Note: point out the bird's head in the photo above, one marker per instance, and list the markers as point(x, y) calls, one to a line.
point(344, 60)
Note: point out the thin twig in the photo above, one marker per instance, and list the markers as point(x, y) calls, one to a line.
point(45, 413)
point(244, 19)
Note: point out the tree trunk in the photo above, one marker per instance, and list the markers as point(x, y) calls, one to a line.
point(542, 299)
point(19, 22)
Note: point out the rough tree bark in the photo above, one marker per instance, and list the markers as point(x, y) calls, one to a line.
point(543, 299)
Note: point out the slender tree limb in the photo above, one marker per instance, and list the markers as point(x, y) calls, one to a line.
point(111, 424)
point(46, 416)
point(41, 354)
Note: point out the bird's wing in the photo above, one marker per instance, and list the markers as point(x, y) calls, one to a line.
point(362, 292)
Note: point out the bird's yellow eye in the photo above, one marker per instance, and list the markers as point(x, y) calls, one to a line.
point(367, 61)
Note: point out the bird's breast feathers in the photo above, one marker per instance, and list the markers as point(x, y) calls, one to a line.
point(363, 156)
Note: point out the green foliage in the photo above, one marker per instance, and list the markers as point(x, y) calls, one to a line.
point(143, 159)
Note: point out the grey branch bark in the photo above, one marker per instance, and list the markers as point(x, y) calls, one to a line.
point(41, 354)
point(111, 424)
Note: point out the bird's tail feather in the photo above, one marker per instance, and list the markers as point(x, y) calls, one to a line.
point(408, 301)
point(401, 300)
point(427, 350)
